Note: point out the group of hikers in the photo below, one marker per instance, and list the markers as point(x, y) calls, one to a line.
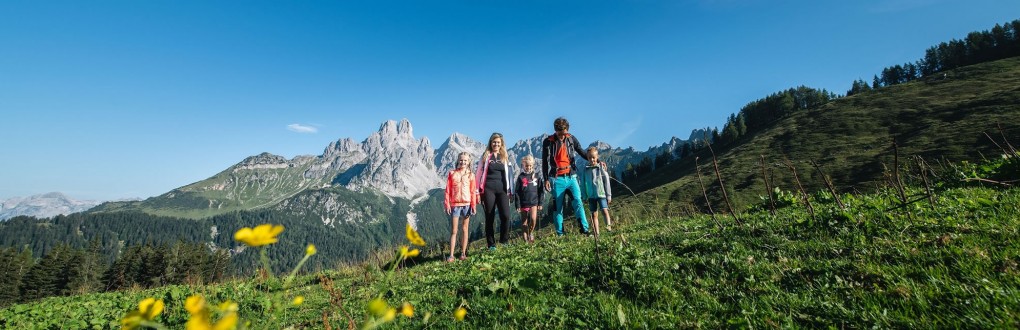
point(490, 185)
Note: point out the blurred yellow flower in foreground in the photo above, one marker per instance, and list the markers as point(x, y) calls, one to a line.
point(406, 252)
point(413, 237)
point(310, 250)
point(148, 309)
point(201, 316)
point(298, 300)
point(407, 310)
point(264, 234)
point(460, 313)
point(377, 307)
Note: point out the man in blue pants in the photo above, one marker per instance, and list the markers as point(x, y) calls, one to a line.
point(558, 167)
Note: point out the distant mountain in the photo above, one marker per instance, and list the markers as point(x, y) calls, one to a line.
point(43, 206)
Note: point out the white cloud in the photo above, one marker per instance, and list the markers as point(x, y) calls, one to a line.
point(302, 128)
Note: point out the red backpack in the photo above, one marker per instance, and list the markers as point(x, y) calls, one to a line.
point(562, 159)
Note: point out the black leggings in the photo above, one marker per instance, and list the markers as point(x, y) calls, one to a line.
point(496, 199)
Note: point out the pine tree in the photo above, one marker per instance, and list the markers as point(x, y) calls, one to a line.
point(12, 268)
point(86, 269)
point(47, 277)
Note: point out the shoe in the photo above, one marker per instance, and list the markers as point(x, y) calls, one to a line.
point(492, 248)
point(449, 259)
point(463, 257)
point(609, 228)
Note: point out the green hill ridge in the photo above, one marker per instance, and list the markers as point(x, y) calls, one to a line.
point(941, 119)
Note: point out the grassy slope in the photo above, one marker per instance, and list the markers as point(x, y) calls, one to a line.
point(221, 193)
point(851, 138)
point(952, 266)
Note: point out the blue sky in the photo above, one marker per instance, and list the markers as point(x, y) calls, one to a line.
point(119, 99)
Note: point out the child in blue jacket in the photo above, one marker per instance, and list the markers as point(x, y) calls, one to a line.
point(596, 190)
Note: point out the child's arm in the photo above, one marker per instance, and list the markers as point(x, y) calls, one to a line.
point(541, 192)
point(474, 193)
point(584, 184)
point(609, 189)
point(448, 195)
point(517, 198)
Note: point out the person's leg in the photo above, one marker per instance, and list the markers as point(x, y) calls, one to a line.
point(533, 224)
point(523, 223)
point(559, 187)
point(593, 204)
point(609, 221)
point(464, 233)
point(503, 204)
point(575, 191)
point(453, 233)
point(490, 216)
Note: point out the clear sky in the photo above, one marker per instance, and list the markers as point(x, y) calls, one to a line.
point(119, 99)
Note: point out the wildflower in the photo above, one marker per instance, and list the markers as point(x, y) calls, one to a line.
point(406, 252)
point(227, 322)
point(264, 234)
point(201, 317)
point(390, 315)
point(228, 306)
point(377, 307)
point(148, 309)
point(413, 237)
point(407, 310)
point(310, 250)
point(460, 313)
point(298, 301)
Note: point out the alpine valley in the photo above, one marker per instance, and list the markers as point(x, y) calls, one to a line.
point(351, 200)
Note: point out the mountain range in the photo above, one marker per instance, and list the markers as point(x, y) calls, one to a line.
point(390, 161)
point(43, 206)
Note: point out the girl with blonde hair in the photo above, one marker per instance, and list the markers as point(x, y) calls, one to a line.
point(460, 200)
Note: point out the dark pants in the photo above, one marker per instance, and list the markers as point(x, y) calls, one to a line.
point(496, 199)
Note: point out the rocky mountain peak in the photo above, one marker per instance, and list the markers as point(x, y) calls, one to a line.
point(446, 155)
point(264, 160)
point(393, 128)
point(601, 145)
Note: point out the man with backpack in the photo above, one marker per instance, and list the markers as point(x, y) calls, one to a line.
point(558, 166)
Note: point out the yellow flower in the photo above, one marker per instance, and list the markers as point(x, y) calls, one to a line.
point(148, 309)
point(413, 237)
point(298, 301)
point(377, 307)
point(132, 321)
point(200, 315)
point(406, 252)
point(390, 314)
point(228, 306)
point(264, 234)
point(227, 322)
point(407, 310)
point(195, 305)
point(310, 250)
point(459, 313)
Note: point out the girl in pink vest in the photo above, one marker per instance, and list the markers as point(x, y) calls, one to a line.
point(460, 201)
